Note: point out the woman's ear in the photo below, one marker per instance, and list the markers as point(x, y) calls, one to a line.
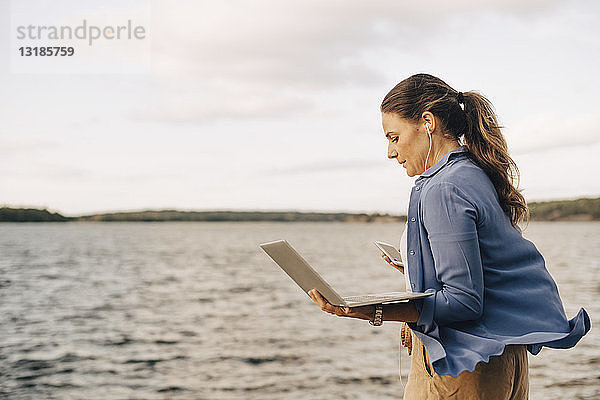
point(429, 121)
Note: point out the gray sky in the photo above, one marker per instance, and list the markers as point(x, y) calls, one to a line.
point(275, 105)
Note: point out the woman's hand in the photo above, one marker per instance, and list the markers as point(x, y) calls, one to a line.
point(387, 259)
point(362, 312)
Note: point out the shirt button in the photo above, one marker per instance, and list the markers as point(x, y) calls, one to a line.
point(418, 188)
point(413, 219)
point(414, 286)
point(412, 252)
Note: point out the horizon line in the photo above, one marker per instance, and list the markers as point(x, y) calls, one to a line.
point(296, 210)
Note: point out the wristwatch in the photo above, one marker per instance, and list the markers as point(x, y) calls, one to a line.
point(378, 318)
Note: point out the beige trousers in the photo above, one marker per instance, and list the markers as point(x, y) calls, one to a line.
point(504, 377)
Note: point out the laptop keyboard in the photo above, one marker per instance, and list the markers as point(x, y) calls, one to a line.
point(368, 297)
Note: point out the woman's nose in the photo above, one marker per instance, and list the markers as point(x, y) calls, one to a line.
point(392, 153)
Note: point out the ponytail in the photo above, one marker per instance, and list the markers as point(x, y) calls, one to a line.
point(487, 147)
point(477, 123)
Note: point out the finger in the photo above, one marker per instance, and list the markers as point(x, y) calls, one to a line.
point(314, 293)
point(319, 299)
point(315, 296)
point(334, 310)
point(329, 308)
point(387, 259)
point(326, 306)
point(340, 311)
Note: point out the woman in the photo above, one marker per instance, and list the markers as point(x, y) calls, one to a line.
point(493, 297)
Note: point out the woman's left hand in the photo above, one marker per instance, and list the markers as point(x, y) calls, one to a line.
point(361, 312)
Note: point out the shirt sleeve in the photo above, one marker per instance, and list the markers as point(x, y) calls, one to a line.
point(450, 219)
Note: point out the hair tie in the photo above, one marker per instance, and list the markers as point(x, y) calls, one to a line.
point(460, 98)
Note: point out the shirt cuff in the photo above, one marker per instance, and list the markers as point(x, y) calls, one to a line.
point(426, 313)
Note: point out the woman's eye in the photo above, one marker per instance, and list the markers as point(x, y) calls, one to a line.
point(395, 139)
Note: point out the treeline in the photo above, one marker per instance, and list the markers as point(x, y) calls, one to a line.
point(586, 209)
point(219, 216)
point(35, 215)
point(566, 210)
point(30, 215)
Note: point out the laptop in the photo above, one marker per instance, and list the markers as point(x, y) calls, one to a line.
point(307, 278)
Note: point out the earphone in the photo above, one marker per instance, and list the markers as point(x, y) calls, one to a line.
point(427, 126)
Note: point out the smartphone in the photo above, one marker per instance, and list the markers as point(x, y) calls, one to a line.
point(390, 251)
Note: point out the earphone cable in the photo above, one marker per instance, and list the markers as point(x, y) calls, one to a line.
point(429, 151)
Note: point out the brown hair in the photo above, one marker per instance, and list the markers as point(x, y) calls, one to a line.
point(477, 123)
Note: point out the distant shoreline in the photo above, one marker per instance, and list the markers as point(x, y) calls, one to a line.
point(584, 209)
point(43, 215)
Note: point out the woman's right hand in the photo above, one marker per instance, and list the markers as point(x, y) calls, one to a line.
point(387, 259)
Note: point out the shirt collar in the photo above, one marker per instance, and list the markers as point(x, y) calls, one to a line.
point(440, 164)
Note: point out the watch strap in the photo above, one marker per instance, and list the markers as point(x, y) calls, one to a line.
point(378, 317)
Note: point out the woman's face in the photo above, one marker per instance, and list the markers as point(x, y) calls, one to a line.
point(408, 142)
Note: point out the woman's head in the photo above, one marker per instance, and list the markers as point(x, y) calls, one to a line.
point(410, 144)
point(421, 93)
point(423, 98)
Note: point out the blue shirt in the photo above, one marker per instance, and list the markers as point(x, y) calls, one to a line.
point(491, 286)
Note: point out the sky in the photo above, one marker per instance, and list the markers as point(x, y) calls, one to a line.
point(271, 105)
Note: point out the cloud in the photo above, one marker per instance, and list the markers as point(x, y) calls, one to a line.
point(549, 131)
point(324, 166)
point(222, 105)
point(269, 56)
point(306, 43)
point(15, 145)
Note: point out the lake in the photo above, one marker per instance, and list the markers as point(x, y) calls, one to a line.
point(190, 310)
